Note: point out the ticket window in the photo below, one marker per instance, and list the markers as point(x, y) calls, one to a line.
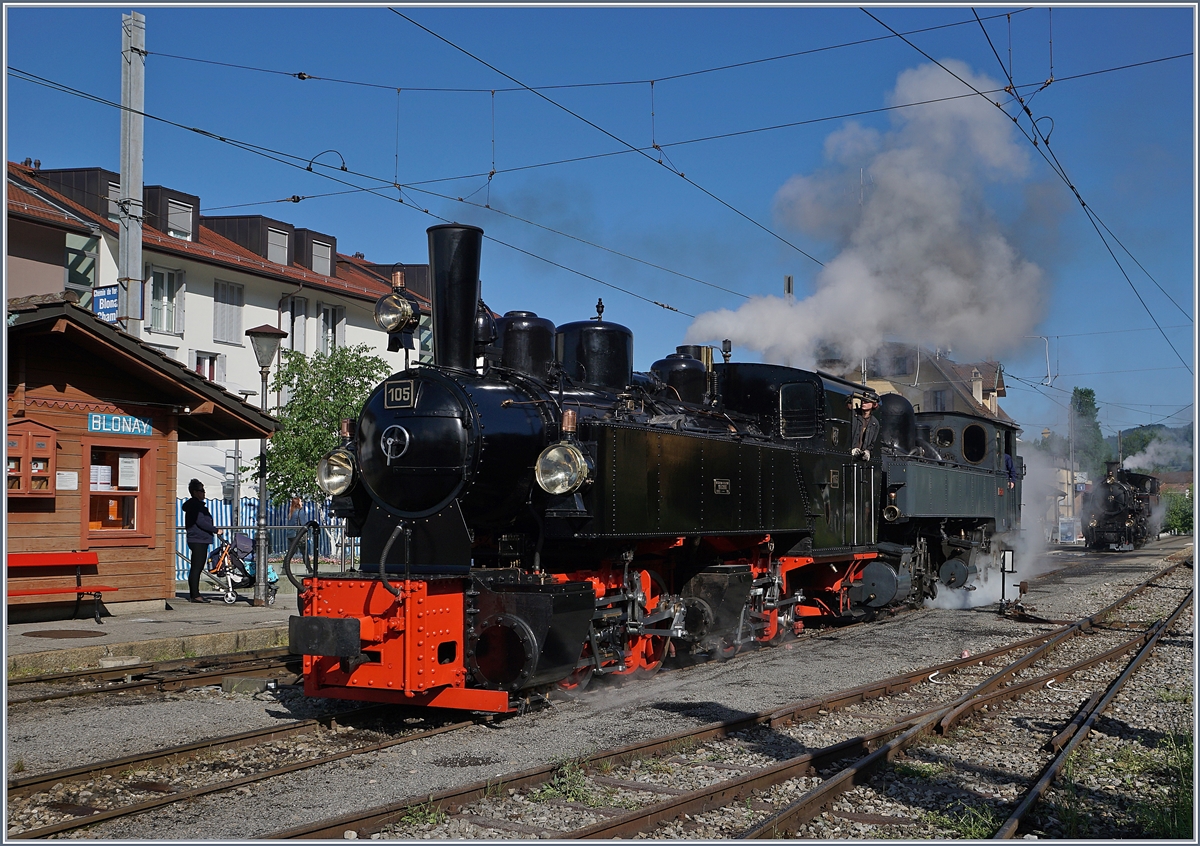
point(117, 491)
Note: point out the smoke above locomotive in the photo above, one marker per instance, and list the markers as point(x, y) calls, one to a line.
point(921, 257)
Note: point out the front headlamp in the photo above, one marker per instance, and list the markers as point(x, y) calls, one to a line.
point(393, 312)
point(562, 468)
point(335, 472)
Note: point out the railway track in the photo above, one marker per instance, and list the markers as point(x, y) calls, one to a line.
point(178, 674)
point(771, 774)
point(107, 790)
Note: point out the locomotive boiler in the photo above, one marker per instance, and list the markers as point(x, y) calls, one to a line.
point(533, 513)
point(1120, 511)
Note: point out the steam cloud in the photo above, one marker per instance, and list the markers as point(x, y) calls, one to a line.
point(921, 258)
point(1161, 453)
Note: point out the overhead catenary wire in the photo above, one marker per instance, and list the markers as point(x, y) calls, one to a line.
point(1056, 166)
point(294, 161)
point(619, 140)
point(303, 77)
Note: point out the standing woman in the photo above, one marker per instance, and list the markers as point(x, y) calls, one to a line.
point(197, 519)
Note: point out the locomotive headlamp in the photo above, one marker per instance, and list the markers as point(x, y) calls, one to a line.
point(562, 468)
point(335, 472)
point(393, 312)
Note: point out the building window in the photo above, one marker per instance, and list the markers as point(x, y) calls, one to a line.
point(322, 254)
point(166, 300)
point(937, 401)
point(83, 253)
point(277, 246)
point(209, 365)
point(179, 220)
point(119, 502)
point(297, 334)
point(228, 300)
point(114, 201)
point(333, 328)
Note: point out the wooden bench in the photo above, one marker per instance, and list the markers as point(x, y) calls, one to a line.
point(59, 561)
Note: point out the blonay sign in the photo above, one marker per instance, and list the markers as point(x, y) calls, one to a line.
point(105, 302)
point(119, 424)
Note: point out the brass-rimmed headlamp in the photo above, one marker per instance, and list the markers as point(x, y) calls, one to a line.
point(335, 472)
point(394, 313)
point(563, 468)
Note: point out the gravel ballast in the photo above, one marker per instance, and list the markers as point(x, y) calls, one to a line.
point(50, 736)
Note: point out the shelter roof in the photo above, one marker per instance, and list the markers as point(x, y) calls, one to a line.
point(208, 411)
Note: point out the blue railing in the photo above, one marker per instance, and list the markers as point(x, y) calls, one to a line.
point(281, 525)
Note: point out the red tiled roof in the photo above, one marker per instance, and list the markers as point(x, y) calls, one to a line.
point(212, 248)
point(23, 203)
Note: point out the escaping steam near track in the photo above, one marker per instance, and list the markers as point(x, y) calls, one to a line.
point(919, 255)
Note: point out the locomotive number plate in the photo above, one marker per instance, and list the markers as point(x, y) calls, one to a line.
point(721, 486)
point(833, 478)
point(399, 394)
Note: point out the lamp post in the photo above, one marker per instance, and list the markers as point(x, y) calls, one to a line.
point(237, 467)
point(265, 340)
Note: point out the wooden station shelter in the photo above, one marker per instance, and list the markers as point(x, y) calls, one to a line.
point(94, 420)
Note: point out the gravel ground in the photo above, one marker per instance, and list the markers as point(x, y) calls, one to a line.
point(50, 735)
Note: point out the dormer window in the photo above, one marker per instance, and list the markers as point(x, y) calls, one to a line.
point(277, 246)
point(114, 201)
point(322, 255)
point(179, 220)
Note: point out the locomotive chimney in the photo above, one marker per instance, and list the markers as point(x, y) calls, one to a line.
point(454, 278)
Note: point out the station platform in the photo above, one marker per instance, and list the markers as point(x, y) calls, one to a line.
point(181, 629)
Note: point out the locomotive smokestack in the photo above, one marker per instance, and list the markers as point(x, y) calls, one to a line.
point(454, 277)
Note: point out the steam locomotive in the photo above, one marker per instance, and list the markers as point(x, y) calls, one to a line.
point(532, 513)
point(1120, 511)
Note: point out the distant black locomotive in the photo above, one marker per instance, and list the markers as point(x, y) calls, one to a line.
point(533, 513)
point(1120, 512)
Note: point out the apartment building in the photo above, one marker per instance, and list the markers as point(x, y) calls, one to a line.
point(206, 280)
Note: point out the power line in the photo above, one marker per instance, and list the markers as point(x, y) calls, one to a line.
point(295, 162)
point(621, 141)
point(302, 76)
point(1055, 166)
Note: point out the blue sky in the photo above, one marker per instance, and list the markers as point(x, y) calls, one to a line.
point(942, 215)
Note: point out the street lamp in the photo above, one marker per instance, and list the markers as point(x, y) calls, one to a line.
point(265, 340)
point(237, 466)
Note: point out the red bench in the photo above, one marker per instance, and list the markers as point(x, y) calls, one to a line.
point(58, 561)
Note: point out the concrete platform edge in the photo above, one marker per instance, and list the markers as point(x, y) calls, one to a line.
point(160, 649)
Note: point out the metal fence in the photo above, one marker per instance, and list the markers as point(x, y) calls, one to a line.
point(332, 546)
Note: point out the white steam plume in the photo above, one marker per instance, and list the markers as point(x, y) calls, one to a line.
point(921, 258)
point(1161, 453)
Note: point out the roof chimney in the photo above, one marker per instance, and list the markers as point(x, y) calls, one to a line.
point(977, 385)
point(28, 162)
point(37, 164)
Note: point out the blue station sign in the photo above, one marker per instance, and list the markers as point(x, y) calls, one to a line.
point(120, 424)
point(105, 302)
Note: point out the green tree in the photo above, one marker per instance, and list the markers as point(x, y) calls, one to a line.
point(322, 390)
point(1179, 516)
point(1090, 449)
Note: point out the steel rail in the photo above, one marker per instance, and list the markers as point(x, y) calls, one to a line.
point(150, 667)
point(167, 682)
point(1009, 828)
point(187, 795)
point(811, 803)
point(365, 823)
point(456, 797)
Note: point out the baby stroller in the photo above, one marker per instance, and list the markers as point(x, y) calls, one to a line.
point(231, 567)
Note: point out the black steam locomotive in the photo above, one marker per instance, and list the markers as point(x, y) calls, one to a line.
point(533, 513)
point(1120, 512)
